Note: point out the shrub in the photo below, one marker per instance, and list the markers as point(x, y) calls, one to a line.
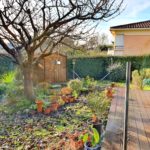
point(137, 79)
point(145, 73)
point(117, 72)
point(10, 87)
point(20, 104)
point(89, 82)
point(98, 103)
point(76, 86)
point(146, 82)
point(42, 90)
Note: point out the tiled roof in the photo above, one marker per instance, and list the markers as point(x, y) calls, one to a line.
point(136, 25)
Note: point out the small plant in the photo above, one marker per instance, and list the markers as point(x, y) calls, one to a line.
point(89, 82)
point(98, 103)
point(92, 138)
point(8, 77)
point(76, 86)
point(60, 101)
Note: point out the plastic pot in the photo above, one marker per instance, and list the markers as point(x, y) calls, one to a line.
point(97, 147)
point(98, 126)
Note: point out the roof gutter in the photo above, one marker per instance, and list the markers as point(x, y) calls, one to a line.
point(124, 29)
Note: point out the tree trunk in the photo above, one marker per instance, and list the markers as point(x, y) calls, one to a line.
point(28, 82)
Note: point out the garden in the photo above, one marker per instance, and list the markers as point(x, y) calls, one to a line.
point(68, 116)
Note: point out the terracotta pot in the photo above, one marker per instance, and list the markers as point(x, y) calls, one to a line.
point(47, 111)
point(55, 106)
point(39, 104)
point(66, 91)
point(109, 93)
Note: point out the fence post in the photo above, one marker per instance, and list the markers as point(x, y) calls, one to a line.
point(125, 130)
point(73, 63)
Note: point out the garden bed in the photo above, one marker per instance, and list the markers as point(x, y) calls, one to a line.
point(59, 119)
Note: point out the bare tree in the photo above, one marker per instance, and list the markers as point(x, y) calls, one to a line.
point(31, 29)
point(103, 39)
point(93, 42)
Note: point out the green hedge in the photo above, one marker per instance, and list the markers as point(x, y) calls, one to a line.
point(6, 65)
point(97, 66)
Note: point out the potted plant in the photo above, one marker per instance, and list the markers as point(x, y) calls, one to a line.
point(47, 108)
point(66, 91)
point(54, 106)
point(92, 140)
point(76, 86)
point(99, 104)
point(89, 83)
point(109, 92)
point(39, 104)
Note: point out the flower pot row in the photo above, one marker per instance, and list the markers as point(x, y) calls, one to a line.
point(55, 105)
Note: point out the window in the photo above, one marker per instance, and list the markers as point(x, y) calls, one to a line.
point(120, 41)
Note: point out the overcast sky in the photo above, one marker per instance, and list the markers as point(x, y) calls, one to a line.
point(135, 11)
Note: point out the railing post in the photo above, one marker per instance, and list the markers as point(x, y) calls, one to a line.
point(125, 133)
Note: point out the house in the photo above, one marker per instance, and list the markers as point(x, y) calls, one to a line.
point(131, 39)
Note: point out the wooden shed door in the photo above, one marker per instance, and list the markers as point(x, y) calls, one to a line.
point(56, 69)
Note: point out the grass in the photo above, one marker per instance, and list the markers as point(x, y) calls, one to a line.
point(146, 88)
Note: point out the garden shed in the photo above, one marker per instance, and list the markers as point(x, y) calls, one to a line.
point(52, 69)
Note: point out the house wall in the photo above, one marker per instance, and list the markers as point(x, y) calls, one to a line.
point(136, 42)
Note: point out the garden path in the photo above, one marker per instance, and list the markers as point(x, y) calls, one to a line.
point(138, 125)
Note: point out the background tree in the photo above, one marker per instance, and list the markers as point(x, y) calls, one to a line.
point(31, 29)
point(92, 43)
point(103, 39)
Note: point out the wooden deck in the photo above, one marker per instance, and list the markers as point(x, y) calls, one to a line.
point(139, 121)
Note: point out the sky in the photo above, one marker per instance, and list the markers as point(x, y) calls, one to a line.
point(135, 11)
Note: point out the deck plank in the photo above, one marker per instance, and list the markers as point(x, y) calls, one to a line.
point(113, 140)
point(133, 141)
point(138, 125)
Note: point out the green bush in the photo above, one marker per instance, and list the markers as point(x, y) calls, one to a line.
point(76, 86)
point(98, 103)
point(89, 82)
point(20, 104)
point(146, 82)
point(6, 65)
point(117, 72)
point(10, 87)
